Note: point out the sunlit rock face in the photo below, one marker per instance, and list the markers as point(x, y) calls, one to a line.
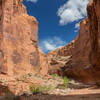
point(19, 50)
point(59, 57)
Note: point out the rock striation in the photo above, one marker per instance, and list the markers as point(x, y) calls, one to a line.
point(59, 57)
point(19, 49)
point(86, 56)
point(84, 64)
point(63, 51)
point(94, 32)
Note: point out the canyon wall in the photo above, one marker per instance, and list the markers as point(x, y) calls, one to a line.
point(63, 51)
point(86, 55)
point(59, 57)
point(84, 64)
point(19, 49)
point(94, 32)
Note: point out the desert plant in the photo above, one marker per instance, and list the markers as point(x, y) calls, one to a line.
point(44, 89)
point(66, 82)
point(34, 89)
point(39, 89)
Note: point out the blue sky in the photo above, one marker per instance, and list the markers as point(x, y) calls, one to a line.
point(58, 20)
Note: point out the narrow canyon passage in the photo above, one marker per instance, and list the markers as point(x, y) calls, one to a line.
point(66, 73)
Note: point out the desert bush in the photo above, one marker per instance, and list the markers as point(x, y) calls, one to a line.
point(66, 82)
point(34, 89)
point(39, 89)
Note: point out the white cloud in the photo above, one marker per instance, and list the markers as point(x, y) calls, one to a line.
point(51, 44)
point(72, 10)
point(34, 1)
point(77, 25)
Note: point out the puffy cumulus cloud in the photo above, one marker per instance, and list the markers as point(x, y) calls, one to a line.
point(72, 10)
point(52, 43)
point(34, 1)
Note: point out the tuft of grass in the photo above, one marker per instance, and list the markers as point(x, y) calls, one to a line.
point(66, 82)
point(39, 89)
point(34, 89)
point(64, 85)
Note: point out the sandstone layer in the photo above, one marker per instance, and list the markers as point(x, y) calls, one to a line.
point(59, 57)
point(19, 49)
point(84, 64)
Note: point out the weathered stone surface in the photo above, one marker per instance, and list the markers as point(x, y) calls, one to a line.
point(19, 50)
point(58, 58)
point(86, 56)
point(94, 31)
point(79, 65)
point(84, 64)
point(63, 51)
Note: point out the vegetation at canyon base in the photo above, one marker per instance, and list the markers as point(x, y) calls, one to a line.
point(66, 82)
point(45, 89)
point(39, 89)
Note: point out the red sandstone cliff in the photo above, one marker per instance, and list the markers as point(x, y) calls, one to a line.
point(19, 50)
point(59, 57)
point(84, 64)
point(94, 32)
point(86, 55)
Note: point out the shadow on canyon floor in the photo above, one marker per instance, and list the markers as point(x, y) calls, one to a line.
point(58, 97)
point(6, 94)
point(10, 96)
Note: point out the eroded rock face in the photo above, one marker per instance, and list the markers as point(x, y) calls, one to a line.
point(19, 50)
point(79, 65)
point(59, 57)
point(84, 64)
point(94, 31)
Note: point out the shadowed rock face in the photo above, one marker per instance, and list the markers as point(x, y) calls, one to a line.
point(84, 64)
point(86, 55)
point(94, 31)
point(19, 50)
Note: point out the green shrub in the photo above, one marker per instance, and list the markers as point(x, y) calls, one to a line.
point(44, 89)
point(66, 82)
point(39, 89)
point(34, 89)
